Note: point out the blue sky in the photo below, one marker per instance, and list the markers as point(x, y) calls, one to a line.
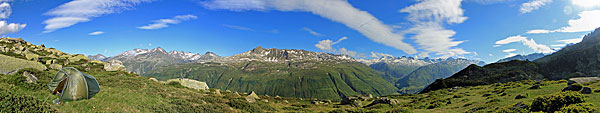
point(485, 30)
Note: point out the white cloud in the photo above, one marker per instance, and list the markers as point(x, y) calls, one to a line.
point(96, 33)
point(533, 5)
point(238, 27)
point(496, 45)
point(428, 18)
point(538, 31)
point(490, 54)
point(529, 43)
point(511, 40)
point(76, 11)
point(509, 50)
point(510, 55)
point(336, 10)
point(162, 23)
point(5, 10)
point(587, 21)
point(6, 28)
point(487, 2)
point(586, 3)
point(570, 41)
point(312, 32)
point(325, 45)
point(379, 55)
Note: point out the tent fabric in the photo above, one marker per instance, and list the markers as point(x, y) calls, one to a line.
point(71, 84)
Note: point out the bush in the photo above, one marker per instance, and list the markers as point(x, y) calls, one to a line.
point(10, 102)
point(400, 110)
point(243, 105)
point(556, 101)
point(578, 108)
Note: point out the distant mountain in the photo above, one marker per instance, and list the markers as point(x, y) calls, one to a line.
point(394, 68)
point(578, 60)
point(284, 72)
point(143, 60)
point(529, 57)
point(97, 57)
point(425, 75)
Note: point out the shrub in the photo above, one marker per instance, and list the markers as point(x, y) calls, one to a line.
point(400, 110)
point(556, 101)
point(338, 111)
point(578, 108)
point(243, 105)
point(11, 102)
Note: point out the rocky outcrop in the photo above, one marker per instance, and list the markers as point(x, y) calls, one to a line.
point(114, 65)
point(384, 100)
point(29, 77)
point(252, 97)
point(190, 83)
point(582, 80)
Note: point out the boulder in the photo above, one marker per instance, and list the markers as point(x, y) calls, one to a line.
point(153, 79)
point(582, 80)
point(573, 87)
point(586, 90)
point(384, 100)
point(114, 65)
point(77, 57)
point(32, 56)
point(29, 77)
point(252, 97)
point(55, 66)
point(352, 100)
point(189, 83)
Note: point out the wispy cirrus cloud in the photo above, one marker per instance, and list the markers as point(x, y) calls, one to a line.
point(77, 11)
point(312, 32)
point(428, 18)
point(327, 46)
point(336, 10)
point(529, 43)
point(587, 21)
point(162, 23)
point(238, 27)
point(96, 33)
point(533, 5)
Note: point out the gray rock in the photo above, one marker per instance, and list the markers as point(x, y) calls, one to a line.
point(582, 80)
point(384, 100)
point(352, 100)
point(252, 97)
point(114, 65)
point(29, 77)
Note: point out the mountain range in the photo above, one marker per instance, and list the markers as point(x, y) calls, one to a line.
point(577, 60)
point(142, 60)
point(529, 57)
point(284, 72)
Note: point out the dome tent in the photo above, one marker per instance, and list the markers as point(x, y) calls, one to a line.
point(71, 84)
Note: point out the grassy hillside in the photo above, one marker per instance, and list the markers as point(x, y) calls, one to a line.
point(320, 80)
point(425, 75)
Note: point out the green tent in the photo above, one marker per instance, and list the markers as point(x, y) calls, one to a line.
point(71, 84)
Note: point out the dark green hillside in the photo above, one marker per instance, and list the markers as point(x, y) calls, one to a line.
point(393, 72)
point(474, 75)
point(581, 59)
point(323, 80)
point(578, 60)
point(425, 75)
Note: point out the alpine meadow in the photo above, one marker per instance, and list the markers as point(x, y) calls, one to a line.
point(300, 56)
